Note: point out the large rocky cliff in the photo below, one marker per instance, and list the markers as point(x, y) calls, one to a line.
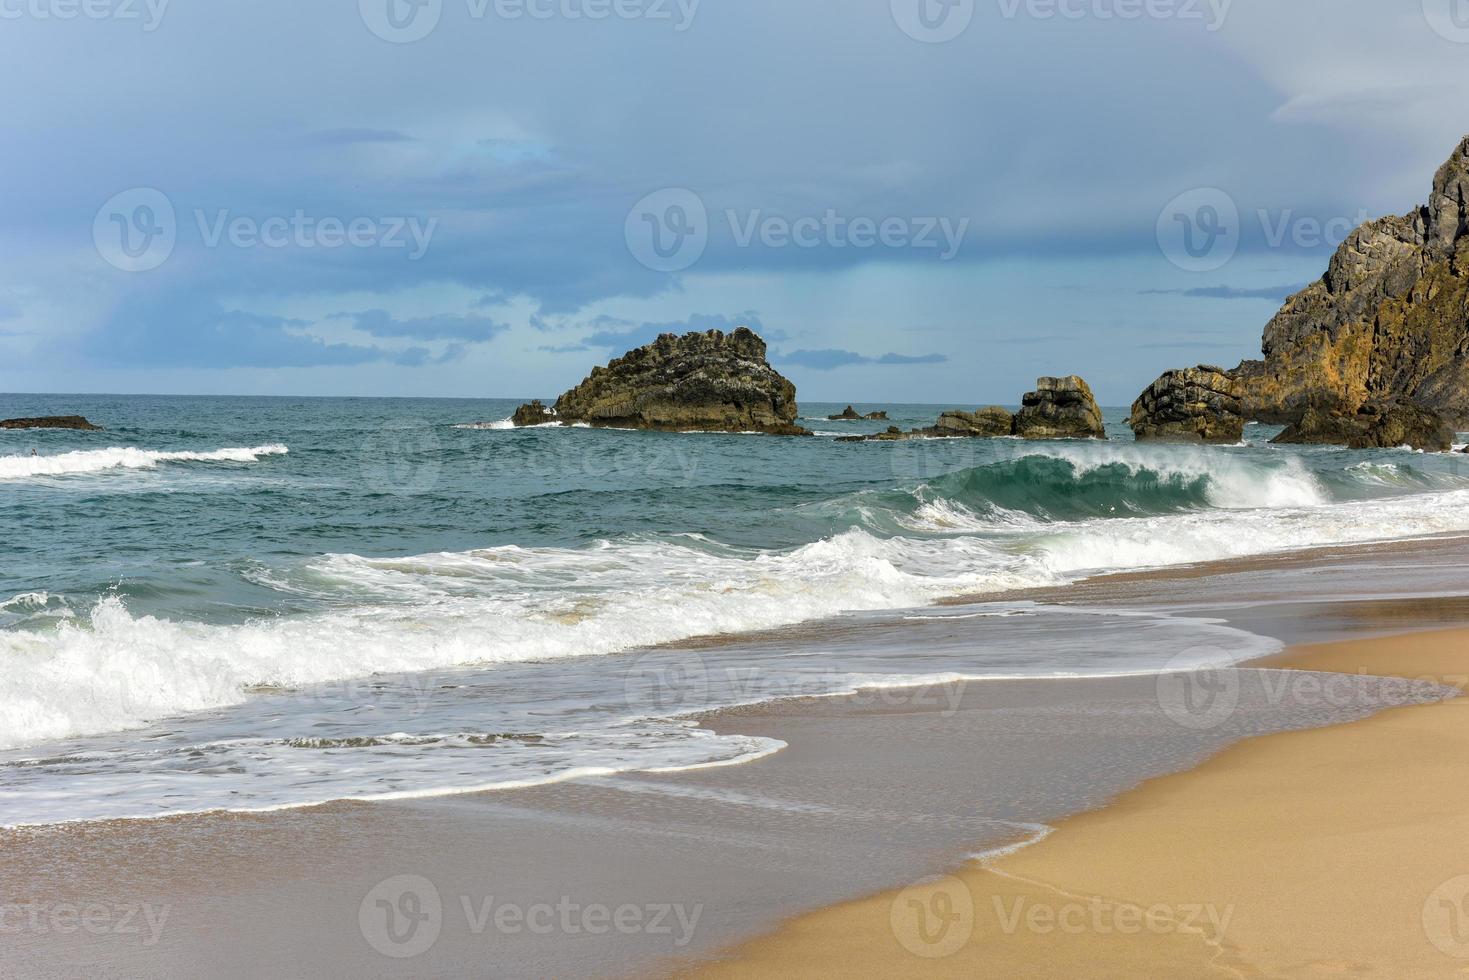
point(1388, 321)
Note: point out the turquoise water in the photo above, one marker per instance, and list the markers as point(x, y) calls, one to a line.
point(243, 577)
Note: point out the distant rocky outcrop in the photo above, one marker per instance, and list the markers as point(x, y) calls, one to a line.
point(1379, 425)
point(850, 414)
point(1197, 404)
point(711, 381)
point(1059, 408)
point(986, 423)
point(1388, 322)
point(51, 422)
point(532, 414)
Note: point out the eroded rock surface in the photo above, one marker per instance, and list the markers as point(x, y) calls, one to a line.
point(1389, 321)
point(1060, 408)
point(1197, 404)
point(713, 382)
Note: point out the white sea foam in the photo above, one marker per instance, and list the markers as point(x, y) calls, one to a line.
point(494, 426)
point(513, 604)
point(125, 457)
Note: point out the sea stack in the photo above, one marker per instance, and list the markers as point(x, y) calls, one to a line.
point(710, 382)
point(1060, 408)
point(1197, 404)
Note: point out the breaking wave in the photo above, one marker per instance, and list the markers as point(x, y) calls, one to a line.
point(122, 457)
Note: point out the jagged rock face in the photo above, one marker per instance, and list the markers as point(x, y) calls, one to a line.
point(1389, 320)
point(700, 381)
point(850, 414)
point(51, 422)
point(1373, 426)
point(1059, 408)
point(986, 423)
point(1198, 404)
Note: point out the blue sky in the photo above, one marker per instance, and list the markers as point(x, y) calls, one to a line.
point(280, 197)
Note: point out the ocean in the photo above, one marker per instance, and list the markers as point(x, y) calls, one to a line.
point(255, 603)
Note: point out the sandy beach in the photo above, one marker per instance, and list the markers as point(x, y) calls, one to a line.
point(1322, 853)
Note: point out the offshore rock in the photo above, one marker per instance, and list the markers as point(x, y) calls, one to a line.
point(850, 414)
point(986, 423)
point(713, 382)
point(533, 413)
point(51, 422)
point(1383, 425)
point(1060, 408)
point(1197, 404)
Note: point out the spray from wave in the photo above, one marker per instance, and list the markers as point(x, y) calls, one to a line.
point(122, 457)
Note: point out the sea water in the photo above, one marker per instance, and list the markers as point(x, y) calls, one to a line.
point(249, 603)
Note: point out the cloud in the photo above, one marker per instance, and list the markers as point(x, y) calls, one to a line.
point(1276, 293)
point(346, 137)
point(831, 359)
point(192, 330)
point(440, 326)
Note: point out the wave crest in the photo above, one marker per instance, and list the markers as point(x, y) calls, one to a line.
point(123, 457)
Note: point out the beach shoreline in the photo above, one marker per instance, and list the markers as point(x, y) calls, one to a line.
point(1324, 852)
point(871, 792)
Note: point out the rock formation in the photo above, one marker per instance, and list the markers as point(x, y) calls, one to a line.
point(1389, 321)
point(1059, 408)
point(1198, 404)
point(986, 423)
point(1380, 425)
point(532, 414)
point(850, 414)
point(51, 422)
point(701, 381)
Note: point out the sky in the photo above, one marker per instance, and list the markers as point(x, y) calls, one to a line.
point(931, 201)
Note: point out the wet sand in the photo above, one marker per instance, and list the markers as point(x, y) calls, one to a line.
point(1331, 852)
point(651, 873)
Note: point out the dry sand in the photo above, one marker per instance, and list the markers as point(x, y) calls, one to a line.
point(1339, 852)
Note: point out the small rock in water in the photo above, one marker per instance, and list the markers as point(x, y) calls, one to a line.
point(51, 422)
